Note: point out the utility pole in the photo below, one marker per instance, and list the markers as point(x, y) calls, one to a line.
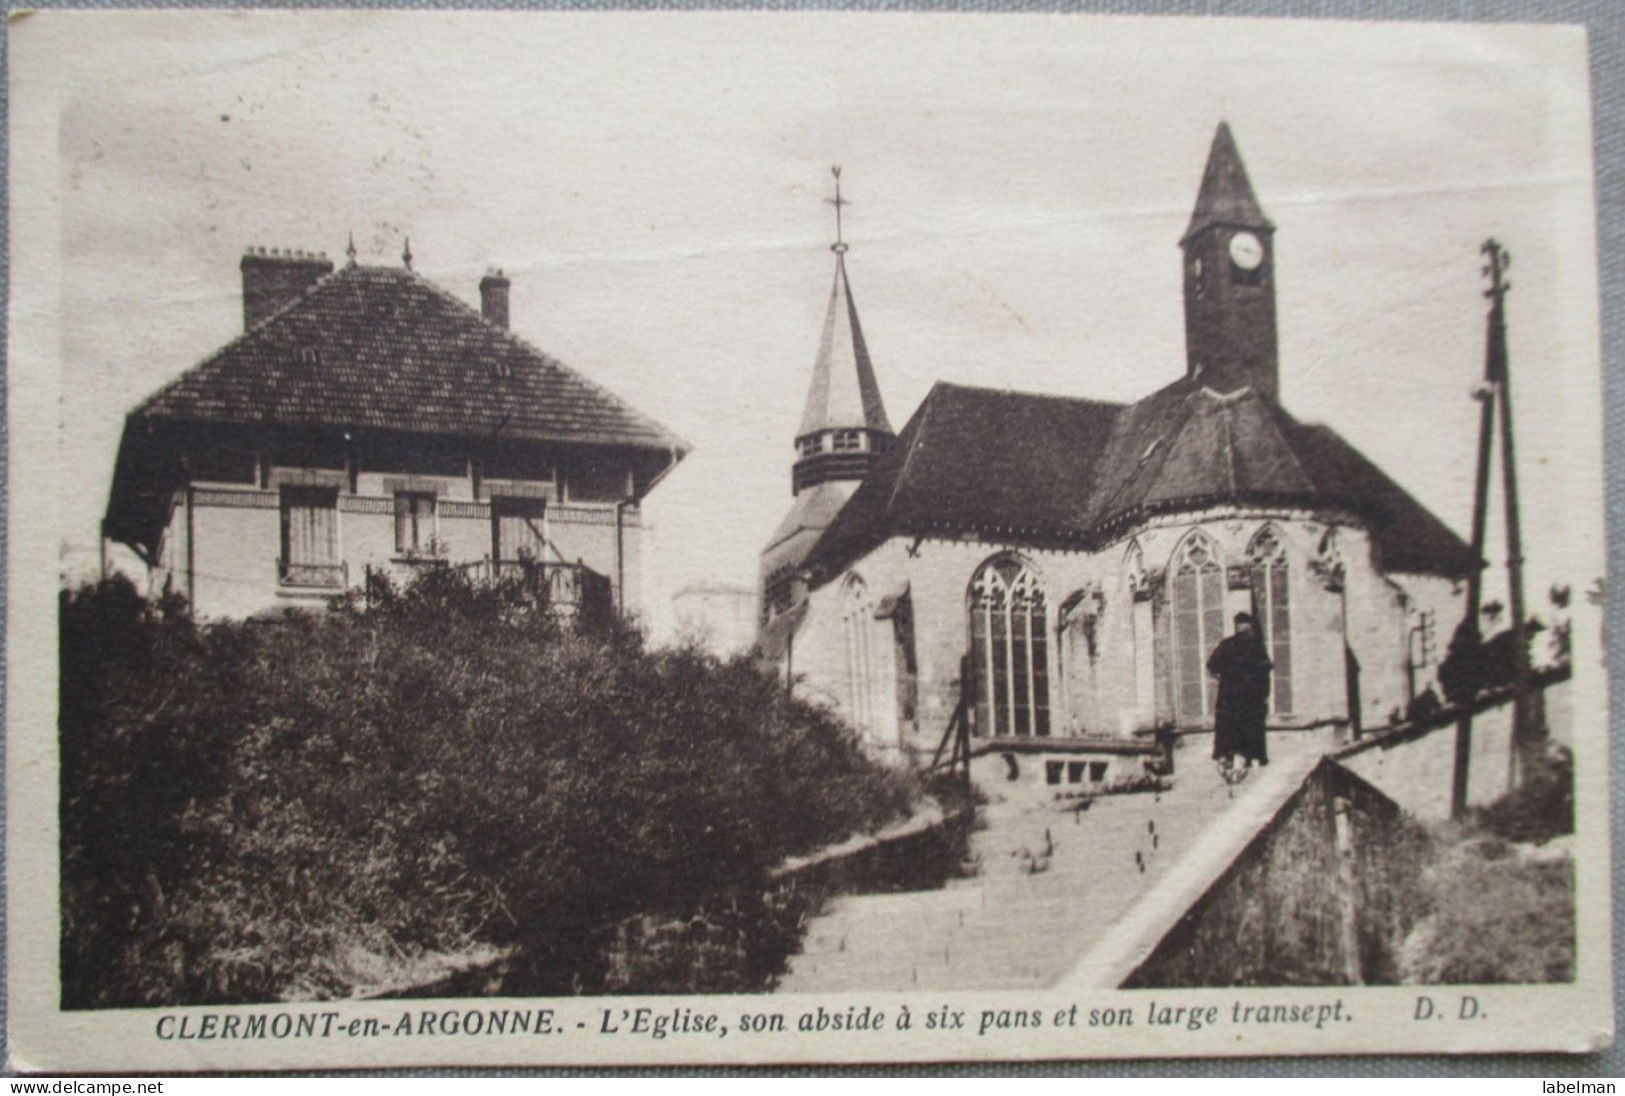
point(1523, 721)
point(1468, 640)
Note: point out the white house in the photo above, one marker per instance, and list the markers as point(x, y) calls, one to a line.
point(367, 420)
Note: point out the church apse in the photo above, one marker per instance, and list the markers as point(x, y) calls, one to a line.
point(1070, 564)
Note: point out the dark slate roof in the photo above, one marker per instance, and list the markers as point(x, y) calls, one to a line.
point(1187, 445)
point(1044, 469)
point(977, 459)
point(1226, 196)
point(773, 638)
point(382, 348)
point(814, 508)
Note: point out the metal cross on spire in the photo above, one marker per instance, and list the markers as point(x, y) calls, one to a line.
point(839, 246)
point(350, 251)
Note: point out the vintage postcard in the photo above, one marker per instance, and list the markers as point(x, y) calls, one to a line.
point(549, 538)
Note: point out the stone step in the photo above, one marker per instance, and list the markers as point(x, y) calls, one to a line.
point(1010, 927)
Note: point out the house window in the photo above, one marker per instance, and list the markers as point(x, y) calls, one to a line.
point(595, 482)
point(859, 617)
point(1272, 607)
point(310, 537)
point(414, 523)
point(847, 441)
point(517, 530)
point(1198, 605)
point(1010, 649)
point(1053, 771)
point(811, 445)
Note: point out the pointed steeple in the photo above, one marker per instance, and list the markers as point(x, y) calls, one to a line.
point(843, 394)
point(844, 430)
point(1229, 250)
point(1226, 197)
point(844, 425)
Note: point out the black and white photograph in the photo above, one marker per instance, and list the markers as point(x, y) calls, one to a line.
point(703, 538)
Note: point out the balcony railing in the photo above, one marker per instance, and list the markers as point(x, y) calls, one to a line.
point(331, 576)
point(570, 589)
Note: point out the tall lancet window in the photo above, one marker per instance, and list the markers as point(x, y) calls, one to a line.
point(1198, 604)
point(859, 615)
point(1272, 605)
point(1134, 569)
point(1009, 626)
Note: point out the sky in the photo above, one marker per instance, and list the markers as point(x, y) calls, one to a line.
point(654, 186)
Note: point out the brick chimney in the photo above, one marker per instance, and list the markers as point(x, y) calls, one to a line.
point(275, 278)
point(494, 298)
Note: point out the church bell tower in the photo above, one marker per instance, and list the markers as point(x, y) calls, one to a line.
point(843, 432)
point(844, 425)
point(1229, 248)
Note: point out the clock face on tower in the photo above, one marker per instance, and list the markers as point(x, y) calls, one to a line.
point(1246, 251)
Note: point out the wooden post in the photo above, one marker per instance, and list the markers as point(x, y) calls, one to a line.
point(191, 554)
point(1494, 370)
point(1524, 731)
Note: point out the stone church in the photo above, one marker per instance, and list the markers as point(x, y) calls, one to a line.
point(1052, 572)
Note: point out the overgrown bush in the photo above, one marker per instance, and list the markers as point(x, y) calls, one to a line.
point(1541, 807)
point(1502, 907)
point(1498, 916)
point(291, 807)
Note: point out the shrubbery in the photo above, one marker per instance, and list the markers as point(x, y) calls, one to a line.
point(302, 806)
point(1500, 908)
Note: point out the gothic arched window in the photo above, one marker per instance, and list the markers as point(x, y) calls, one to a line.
point(1198, 605)
point(859, 617)
point(1272, 605)
point(1134, 569)
point(1009, 626)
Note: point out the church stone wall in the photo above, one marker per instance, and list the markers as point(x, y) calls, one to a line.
point(937, 575)
point(1434, 605)
point(1110, 665)
point(1381, 610)
point(1419, 772)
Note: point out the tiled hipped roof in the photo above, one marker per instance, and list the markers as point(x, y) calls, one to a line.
point(378, 347)
point(378, 351)
point(1044, 469)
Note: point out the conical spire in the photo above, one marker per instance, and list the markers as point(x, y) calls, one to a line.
point(1229, 261)
point(843, 394)
point(1226, 196)
point(844, 426)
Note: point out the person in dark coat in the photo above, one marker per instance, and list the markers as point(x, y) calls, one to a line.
point(1243, 670)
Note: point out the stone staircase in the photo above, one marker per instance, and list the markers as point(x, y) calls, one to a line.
point(1048, 884)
